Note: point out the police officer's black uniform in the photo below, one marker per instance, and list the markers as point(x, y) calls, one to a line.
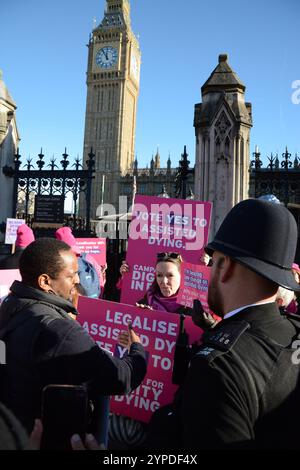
point(242, 388)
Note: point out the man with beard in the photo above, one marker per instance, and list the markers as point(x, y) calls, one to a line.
point(242, 389)
point(45, 346)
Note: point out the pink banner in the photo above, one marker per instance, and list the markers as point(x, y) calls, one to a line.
point(96, 247)
point(7, 277)
point(158, 332)
point(194, 284)
point(162, 225)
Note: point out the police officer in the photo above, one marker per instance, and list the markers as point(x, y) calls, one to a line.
point(242, 389)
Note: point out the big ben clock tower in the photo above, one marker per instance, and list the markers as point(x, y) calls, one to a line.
point(112, 92)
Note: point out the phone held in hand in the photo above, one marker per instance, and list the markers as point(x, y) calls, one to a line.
point(64, 413)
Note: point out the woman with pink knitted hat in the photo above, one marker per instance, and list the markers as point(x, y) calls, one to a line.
point(25, 236)
point(65, 234)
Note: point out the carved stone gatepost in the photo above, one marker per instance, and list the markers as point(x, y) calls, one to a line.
point(222, 126)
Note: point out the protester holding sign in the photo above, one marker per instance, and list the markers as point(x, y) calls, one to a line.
point(90, 272)
point(24, 238)
point(95, 250)
point(162, 294)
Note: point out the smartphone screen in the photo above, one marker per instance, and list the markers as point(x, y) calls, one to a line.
point(64, 413)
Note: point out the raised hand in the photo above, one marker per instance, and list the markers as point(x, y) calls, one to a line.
point(124, 269)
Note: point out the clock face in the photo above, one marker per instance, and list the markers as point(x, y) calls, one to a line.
point(106, 57)
point(134, 66)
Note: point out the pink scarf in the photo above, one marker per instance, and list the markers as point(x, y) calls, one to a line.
point(165, 304)
point(292, 307)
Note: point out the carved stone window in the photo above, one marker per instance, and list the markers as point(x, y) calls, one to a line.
point(222, 126)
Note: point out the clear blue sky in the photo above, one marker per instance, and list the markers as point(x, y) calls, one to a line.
point(44, 58)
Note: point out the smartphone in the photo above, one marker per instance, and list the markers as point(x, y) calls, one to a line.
point(64, 413)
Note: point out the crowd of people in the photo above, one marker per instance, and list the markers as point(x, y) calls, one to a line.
point(242, 386)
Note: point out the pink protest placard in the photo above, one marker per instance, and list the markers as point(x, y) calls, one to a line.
point(158, 332)
point(162, 225)
point(194, 284)
point(96, 247)
point(7, 277)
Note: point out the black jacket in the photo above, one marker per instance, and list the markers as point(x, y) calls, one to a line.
point(45, 346)
point(242, 388)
